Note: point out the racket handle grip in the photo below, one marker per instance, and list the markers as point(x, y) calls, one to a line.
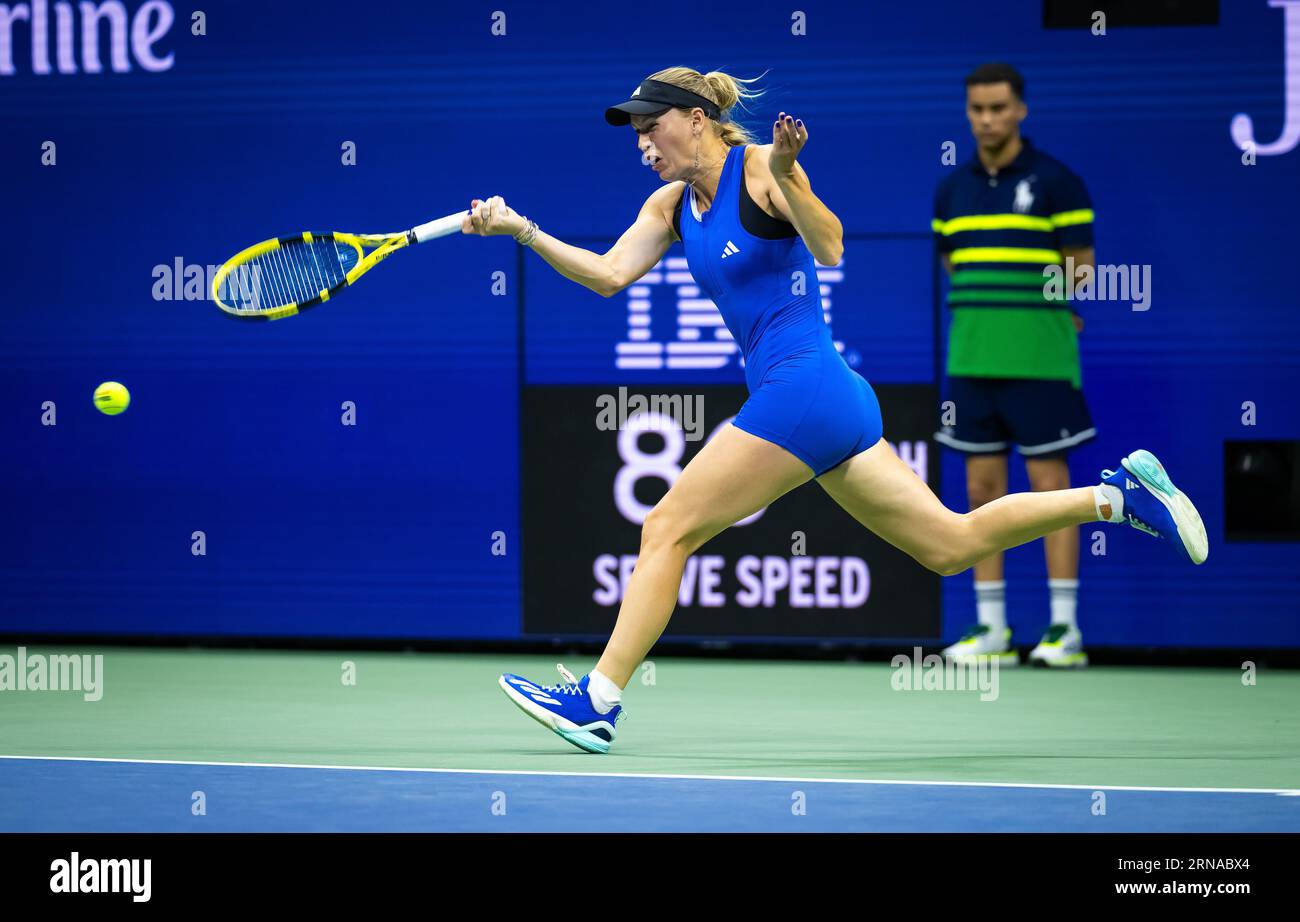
point(439, 227)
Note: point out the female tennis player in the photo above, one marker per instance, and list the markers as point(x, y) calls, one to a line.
point(748, 220)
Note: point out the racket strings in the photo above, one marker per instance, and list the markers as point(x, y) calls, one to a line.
point(295, 272)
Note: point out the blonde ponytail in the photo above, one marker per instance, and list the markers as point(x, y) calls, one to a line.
point(725, 90)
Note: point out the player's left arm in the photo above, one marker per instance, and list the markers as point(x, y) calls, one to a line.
point(792, 196)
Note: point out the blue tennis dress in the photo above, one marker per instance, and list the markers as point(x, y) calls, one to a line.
point(802, 394)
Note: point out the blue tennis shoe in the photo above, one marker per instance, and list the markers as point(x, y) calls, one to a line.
point(1154, 505)
point(565, 708)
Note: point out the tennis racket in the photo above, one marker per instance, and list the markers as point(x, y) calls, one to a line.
point(285, 276)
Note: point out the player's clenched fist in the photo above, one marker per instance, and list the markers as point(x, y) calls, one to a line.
point(489, 217)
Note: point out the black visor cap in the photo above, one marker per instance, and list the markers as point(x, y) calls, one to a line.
point(654, 96)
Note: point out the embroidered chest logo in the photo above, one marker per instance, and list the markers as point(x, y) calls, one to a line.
point(1024, 196)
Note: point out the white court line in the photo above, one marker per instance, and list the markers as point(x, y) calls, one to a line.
point(1286, 792)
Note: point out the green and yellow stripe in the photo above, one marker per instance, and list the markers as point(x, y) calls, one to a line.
point(991, 222)
point(1004, 255)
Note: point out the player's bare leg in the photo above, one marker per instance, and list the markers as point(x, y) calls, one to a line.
point(731, 477)
point(887, 496)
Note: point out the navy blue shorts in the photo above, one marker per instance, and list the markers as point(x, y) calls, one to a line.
point(1042, 419)
point(815, 407)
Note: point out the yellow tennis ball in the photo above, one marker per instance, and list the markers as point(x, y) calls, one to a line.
point(111, 398)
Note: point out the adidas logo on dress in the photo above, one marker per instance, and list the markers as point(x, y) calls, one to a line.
point(729, 249)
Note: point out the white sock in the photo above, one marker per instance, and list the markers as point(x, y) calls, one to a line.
point(1109, 493)
point(604, 693)
point(991, 605)
point(1065, 598)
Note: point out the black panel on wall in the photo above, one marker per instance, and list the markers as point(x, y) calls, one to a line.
point(1078, 14)
point(1261, 491)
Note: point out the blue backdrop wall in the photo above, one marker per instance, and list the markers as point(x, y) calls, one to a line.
point(384, 529)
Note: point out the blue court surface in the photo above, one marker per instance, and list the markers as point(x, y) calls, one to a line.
point(72, 795)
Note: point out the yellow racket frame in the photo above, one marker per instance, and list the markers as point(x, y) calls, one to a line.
point(384, 244)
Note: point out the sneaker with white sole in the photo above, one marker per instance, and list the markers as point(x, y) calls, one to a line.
point(980, 640)
point(1154, 505)
point(1060, 648)
point(565, 708)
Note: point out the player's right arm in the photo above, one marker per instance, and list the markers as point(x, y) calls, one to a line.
point(636, 252)
point(645, 242)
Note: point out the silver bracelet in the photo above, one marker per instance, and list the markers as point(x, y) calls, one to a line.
point(528, 234)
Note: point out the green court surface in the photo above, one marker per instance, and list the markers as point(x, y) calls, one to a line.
point(1102, 727)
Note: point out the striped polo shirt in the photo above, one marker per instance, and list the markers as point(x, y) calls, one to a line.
point(1000, 233)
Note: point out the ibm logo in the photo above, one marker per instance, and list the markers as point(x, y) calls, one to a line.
point(702, 340)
